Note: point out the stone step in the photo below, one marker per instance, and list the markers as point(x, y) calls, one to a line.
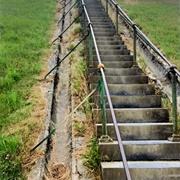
point(107, 42)
point(106, 26)
point(100, 19)
point(141, 150)
point(136, 115)
point(107, 38)
point(129, 89)
point(104, 29)
point(148, 101)
point(142, 170)
point(110, 59)
point(97, 18)
point(111, 46)
point(113, 64)
point(116, 72)
point(136, 79)
point(101, 23)
point(138, 131)
point(112, 52)
point(104, 34)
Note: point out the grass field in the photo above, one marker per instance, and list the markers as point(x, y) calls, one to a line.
point(159, 20)
point(24, 37)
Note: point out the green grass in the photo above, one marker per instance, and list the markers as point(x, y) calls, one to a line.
point(160, 21)
point(24, 37)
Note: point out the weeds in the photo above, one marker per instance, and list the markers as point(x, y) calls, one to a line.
point(79, 128)
point(92, 157)
point(142, 62)
point(77, 29)
point(70, 47)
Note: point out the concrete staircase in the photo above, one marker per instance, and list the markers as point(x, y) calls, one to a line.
point(143, 123)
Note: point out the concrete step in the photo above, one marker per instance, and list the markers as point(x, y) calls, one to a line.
point(141, 150)
point(138, 131)
point(97, 18)
point(104, 29)
point(105, 34)
point(101, 23)
point(106, 38)
point(107, 42)
point(111, 46)
point(129, 89)
point(112, 64)
point(148, 101)
point(112, 52)
point(112, 59)
point(116, 72)
point(100, 19)
point(137, 115)
point(136, 79)
point(142, 170)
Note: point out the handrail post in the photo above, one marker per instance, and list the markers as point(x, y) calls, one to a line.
point(103, 108)
point(90, 49)
point(104, 137)
point(134, 43)
point(117, 19)
point(107, 7)
point(84, 23)
point(175, 136)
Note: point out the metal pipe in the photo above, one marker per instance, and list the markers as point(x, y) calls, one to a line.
point(121, 148)
point(130, 22)
point(174, 100)
point(103, 107)
point(134, 44)
point(90, 49)
point(107, 7)
point(117, 19)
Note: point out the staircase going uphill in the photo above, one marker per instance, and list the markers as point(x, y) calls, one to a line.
point(144, 125)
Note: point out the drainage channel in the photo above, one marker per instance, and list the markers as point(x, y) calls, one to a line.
point(60, 159)
point(58, 156)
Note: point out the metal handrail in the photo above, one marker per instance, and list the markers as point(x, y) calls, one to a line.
point(142, 35)
point(60, 36)
point(64, 14)
point(108, 96)
point(172, 69)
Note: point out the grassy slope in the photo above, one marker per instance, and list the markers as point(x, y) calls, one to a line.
point(24, 37)
point(160, 21)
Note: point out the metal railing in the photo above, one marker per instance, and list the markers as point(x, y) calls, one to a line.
point(171, 68)
point(121, 148)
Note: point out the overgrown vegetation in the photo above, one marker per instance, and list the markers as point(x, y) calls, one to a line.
point(24, 36)
point(92, 158)
point(84, 127)
point(159, 20)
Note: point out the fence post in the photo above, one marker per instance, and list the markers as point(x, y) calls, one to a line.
point(175, 136)
point(103, 107)
point(84, 23)
point(134, 43)
point(90, 49)
point(107, 7)
point(116, 18)
point(104, 137)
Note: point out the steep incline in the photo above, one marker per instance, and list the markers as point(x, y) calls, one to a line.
point(143, 123)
